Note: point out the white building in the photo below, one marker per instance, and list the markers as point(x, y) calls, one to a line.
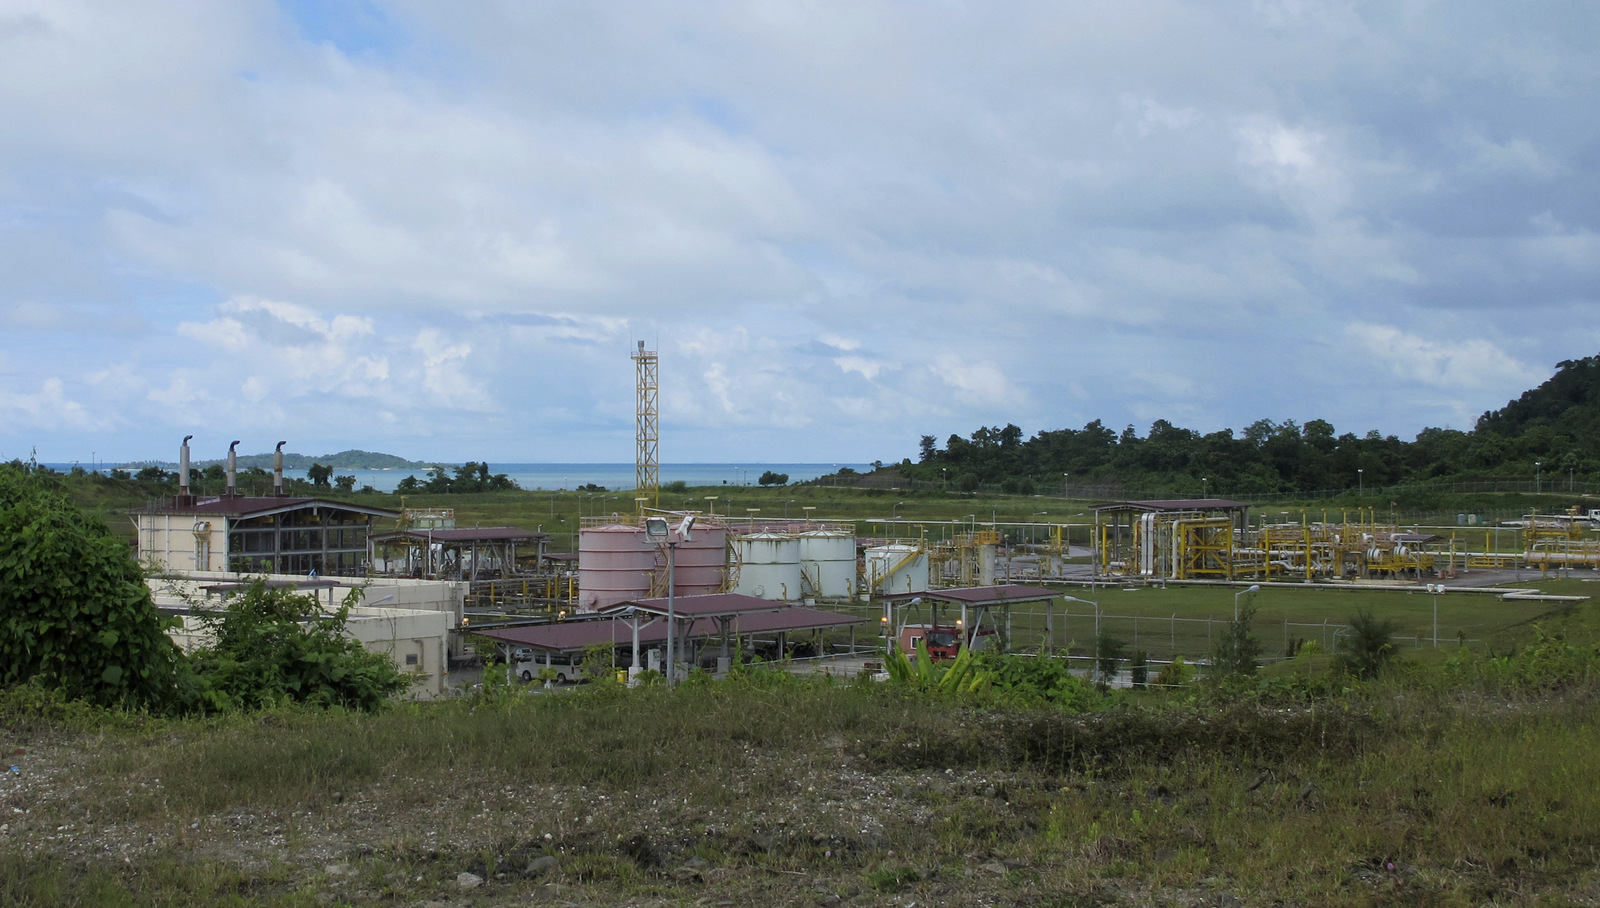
point(410, 620)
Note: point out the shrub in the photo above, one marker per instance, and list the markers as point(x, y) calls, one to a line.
point(1363, 651)
point(1176, 674)
point(75, 612)
point(274, 646)
point(1239, 648)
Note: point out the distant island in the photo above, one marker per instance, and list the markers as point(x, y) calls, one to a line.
point(344, 460)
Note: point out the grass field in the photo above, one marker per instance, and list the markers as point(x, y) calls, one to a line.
point(1463, 776)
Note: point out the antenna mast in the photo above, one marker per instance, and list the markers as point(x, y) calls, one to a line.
point(647, 466)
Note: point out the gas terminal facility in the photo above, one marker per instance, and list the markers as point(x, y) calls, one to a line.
point(502, 580)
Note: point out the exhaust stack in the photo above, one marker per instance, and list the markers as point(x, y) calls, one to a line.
point(233, 470)
point(183, 472)
point(277, 470)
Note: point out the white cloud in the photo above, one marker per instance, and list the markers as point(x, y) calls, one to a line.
point(956, 207)
point(1471, 363)
point(47, 409)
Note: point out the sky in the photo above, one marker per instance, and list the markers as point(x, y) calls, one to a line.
point(440, 230)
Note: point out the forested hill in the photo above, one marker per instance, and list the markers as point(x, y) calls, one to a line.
point(344, 460)
point(1567, 405)
point(1556, 425)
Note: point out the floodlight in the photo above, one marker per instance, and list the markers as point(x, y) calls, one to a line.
point(685, 526)
point(655, 528)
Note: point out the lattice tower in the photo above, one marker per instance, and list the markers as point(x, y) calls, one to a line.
point(647, 466)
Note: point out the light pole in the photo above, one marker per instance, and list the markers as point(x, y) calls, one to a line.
point(1254, 588)
point(657, 530)
point(1204, 486)
point(1361, 482)
point(1435, 589)
point(1096, 612)
point(1065, 485)
point(786, 508)
point(895, 511)
point(1536, 477)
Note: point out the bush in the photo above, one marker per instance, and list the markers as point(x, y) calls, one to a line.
point(1176, 674)
point(75, 613)
point(274, 646)
point(1548, 664)
point(1236, 653)
point(1037, 681)
point(1363, 651)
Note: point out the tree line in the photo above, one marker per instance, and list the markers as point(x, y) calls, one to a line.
point(1551, 431)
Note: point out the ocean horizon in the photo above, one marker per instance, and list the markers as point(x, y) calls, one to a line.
point(554, 476)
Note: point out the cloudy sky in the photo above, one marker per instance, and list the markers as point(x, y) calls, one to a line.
point(440, 229)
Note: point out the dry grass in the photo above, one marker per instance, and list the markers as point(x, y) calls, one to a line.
point(813, 793)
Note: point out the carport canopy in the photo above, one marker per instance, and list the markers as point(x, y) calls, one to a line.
point(1004, 594)
point(572, 637)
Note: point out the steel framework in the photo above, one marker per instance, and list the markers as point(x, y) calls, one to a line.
point(647, 466)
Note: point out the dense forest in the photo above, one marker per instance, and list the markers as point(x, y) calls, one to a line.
point(1551, 434)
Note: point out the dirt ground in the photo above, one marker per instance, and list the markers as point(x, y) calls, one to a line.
point(841, 835)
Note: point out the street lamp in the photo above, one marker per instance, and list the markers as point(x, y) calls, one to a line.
point(895, 511)
point(786, 508)
point(658, 532)
point(1361, 482)
point(1203, 486)
point(1096, 612)
point(1536, 477)
point(1065, 477)
point(1435, 589)
point(1254, 588)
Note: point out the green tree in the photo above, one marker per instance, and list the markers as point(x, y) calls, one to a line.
point(75, 612)
point(344, 483)
point(770, 478)
point(319, 474)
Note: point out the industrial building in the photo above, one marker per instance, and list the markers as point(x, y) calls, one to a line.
point(272, 534)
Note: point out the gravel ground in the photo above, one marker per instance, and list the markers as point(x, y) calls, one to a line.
point(837, 835)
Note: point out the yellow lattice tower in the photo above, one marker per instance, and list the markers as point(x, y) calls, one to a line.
point(647, 468)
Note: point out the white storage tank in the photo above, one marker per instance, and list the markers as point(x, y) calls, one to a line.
point(769, 566)
point(896, 569)
point(828, 564)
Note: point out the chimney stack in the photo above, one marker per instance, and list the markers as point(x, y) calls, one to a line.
point(233, 470)
point(277, 470)
point(184, 497)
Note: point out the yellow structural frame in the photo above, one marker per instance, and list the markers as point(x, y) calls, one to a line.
point(647, 464)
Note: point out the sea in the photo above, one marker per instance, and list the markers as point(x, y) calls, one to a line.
point(552, 476)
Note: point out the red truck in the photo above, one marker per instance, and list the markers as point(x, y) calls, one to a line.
point(943, 640)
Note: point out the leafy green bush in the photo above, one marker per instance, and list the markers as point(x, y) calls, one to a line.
point(1037, 681)
point(75, 613)
point(1548, 664)
point(1175, 674)
point(274, 646)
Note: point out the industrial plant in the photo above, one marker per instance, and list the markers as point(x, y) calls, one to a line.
point(704, 585)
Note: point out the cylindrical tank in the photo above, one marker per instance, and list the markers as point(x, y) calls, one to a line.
point(897, 569)
point(701, 563)
point(828, 564)
point(769, 566)
point(615, 564)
